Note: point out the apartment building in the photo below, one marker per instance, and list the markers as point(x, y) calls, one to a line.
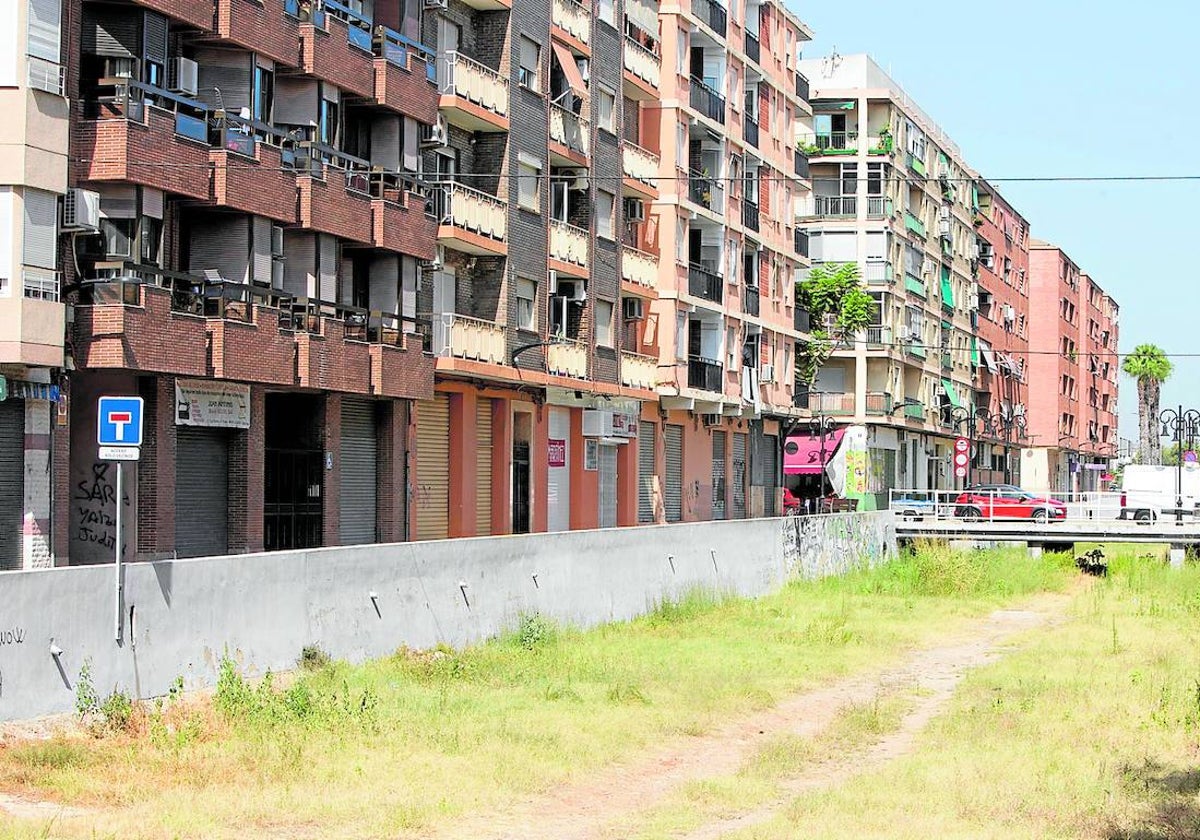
point(725, 321)
point(33, 166)
point(1073, 375)
point(893, 194)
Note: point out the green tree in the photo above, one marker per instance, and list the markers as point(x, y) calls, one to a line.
point(1149, 365)
point(839, 306)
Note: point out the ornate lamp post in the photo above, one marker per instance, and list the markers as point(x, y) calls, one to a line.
point(821, 425)
point(971, 418)
point(1182, 425)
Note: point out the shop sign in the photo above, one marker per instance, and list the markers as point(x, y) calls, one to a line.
point(202, 402)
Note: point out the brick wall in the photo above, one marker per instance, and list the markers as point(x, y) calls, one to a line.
point(257, 186)
point(246, 474)
point(156, 470)
point(151, 154)
point(260, 26)
point(329, 56)
point(326, 206)
point(256, 352)
point(329, 362)
point(397, 372)
point(148, 337)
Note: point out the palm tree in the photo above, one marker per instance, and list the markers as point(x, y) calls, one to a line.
point(1149, 365)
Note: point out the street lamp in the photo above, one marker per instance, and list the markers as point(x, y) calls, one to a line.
point(969, 417)
point(1183, 425)
point(821, 425)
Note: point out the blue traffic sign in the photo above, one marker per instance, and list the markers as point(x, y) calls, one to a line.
point(120, 421)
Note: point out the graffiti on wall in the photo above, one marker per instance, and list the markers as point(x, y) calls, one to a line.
point(94, 512)
point(821, 546)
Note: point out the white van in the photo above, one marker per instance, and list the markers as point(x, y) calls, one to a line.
point(1148, 492)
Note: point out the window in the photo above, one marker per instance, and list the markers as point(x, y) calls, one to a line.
point(329, 123)
point(151, 240)
point(681, 146)
point(45, 29)
point(528, 75)
point(681, 335)
point(606, 103)
point(606, 12)
point(526, 304)
point(604, 329)
point(529, 184)
point(604, 214)
point(264, 93)
point(40, 245)
point(681, 53)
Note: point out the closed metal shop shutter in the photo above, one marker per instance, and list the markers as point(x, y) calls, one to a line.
point(608, 486)
point(673, 480)
point(359, 475)
point(483, 468)
point(12, 482)
point(718, 475)
point(770, 453)
point(432, 493)
point(201, 491)
point(738, 482)
point(647, 435)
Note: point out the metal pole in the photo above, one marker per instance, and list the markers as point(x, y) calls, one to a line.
point(119, 587)
point(1179, 467)
point(821, 420)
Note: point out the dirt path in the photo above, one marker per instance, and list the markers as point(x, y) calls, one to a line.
point(586, 810)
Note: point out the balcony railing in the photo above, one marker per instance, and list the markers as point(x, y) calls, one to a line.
point(750, 300)
point(311, 156)
point(468, 338)
point(569, 129)
point(127, 98)
point(753, 48)
point(705, 284)
point(643, 63)
point(573, 18)
point(40, 283)
point(844, 405)
point(639, 267)
point(879, 274)
point(836, 205)
point(914, 224)
point(704, 374)
point(914, 411)
point(462, 76)
point(750, 215)
point(568, 243)
point(702, 189)
point(801, 87)
point(471, 209)
point(639, 164)
point(706, 100)
point(713, 14)
point(800, 245)
point(838, 141)
point(394, 48)
point(877, 207)
point(567, 357)
point(879, 336)
point(801, 319)
point(750, 131)
point(801, 163)
point(358, 27)
point(638, 371)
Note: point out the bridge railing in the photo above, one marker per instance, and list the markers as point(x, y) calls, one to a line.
point(998, 506)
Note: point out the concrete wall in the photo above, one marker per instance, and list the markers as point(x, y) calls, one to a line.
point(181, 616)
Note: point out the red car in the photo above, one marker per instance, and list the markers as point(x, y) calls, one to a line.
point(1005, 501)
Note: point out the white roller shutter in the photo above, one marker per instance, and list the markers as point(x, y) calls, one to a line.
point(300, 263)
point(357, 494)
point(12, 482)
point(673, 478)
point(262, 250)
point(41, 228)
point(221, 245)
point(201, 491)
point(608, 486)
point(385, 142)
point(558, 490)
point(432, 492)
point(327, 267)
point(45, 29)
point(483, 468)
point(647, 434)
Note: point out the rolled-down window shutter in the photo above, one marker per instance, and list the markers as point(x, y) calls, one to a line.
point(327, 268)
point(10, 64)
point(45, 29)
point(411, 135)
point(154, 38)
point(152, 203)
point(262, 250)
point(41, 229)
point(110, 31)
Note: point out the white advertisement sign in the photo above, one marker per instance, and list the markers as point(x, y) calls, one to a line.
point(201, 402)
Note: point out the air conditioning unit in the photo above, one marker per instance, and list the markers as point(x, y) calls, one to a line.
point(632, 309)
point(944, 212)
point(710, 420)
point(577, 177)
point(928, 266)
point(635, 210)
point(944, 228)
point(573, 290)
point(81, 210)
point(435, 134)
point(767, 373)
point(973, 302)
point(1010, 314)
point(182, 76)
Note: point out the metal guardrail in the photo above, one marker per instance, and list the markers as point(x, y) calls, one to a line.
point(704, 374)
point(704, 283)
point(1000, 506)
point(706, 100)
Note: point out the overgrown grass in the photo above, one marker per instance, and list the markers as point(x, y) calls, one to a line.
point(396, 746)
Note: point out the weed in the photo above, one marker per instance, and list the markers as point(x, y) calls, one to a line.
point(87, 701)
point(313, 658)
point(627, 693)
point(117, 712)
point(535, 632)
point(562, 692)
point(694, 604)
point(56, 754)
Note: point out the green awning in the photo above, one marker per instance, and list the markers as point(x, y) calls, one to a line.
point(832, 104)
point(948, 387)
point(974, 352)
point(947, 288)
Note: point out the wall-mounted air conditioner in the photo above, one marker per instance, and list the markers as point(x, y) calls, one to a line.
point(767, 373)
point(635, 210)
point(183, 75)
point(81, 210)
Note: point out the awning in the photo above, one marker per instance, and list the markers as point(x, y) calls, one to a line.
point(570, 69)
point(802, 453)
point(948, 387)
point(833, 104)
point(989, 358)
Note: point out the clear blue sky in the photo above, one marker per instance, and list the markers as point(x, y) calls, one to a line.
point(1036, 89)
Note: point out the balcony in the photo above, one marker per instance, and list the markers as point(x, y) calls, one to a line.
point(915, 164)
point(269, 27)
point(705, 284)
point(461, 337)
point(750, 302)
point(572, 18)
point(474, 96)
point(837, 143)
point(332, 348)
point(915, 285)
point(340, 52)
point(644, 65)
point(914, 224)
point(914, 411)
point(753, 48)
point(638, 371)
point(405, 76)
point(568, 243)
point(801, 163)
point(801, 87)
point(947, 361)
point(706, 100)
point(845, 405)
point(878, 207)
point(800, 242)
point(400, 367)
point(34, 320)
point(879, 337)
point(801, 319)
point(640, 165)
point(750, 215)
point(845, 206)
point(253, 168)
point(399, 219)
point(713, 15)
point(569, 130)
point(250, 333)
point(750, 131)
point(470, 220)
point(335, 194)
point(703, 190)
point(879, 274)
point(705, 374)
point(131, 127)
point(639, 267)
point(567, 357)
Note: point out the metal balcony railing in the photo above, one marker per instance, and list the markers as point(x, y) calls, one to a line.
point(801, 164)
point(704, 374)
point(879, 274)
point(395, 49)
point(801, 242)
point(128, 99)
point(705, 284)
point(801, 87)
point(701, 189)
point(750, 215)
point(713, 14)
point(838, 141)
point(642, 62)
point(879, 336)
point(877, 206)
point(750, 302)
point(569, 129)
point(750, 130)
point(753, 48)
point(836, 205)
point(471, 209)
point(706, 100)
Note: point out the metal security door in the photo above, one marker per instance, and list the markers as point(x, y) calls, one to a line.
point(718, 475)
point(12, 482)
point(673, 479)
point(358, 494)
point(770, 452)
point(432, 492)
point(608, 486)
point(647, 435)
point(201, 491)
point(483, 468)
point(738, 478)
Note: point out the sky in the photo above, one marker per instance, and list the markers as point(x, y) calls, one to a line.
point(1056, 88)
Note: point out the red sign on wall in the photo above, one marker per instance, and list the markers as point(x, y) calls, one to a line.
point(557, 452)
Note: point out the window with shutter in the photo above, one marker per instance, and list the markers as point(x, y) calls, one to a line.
point(44, 29)
point(41, 229)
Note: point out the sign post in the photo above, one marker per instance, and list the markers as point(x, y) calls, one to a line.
point(962, 458)
point(119, 433)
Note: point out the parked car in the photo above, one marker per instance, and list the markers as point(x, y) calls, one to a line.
point(1007, 501)
point(1148, 492)
point(909, 508)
